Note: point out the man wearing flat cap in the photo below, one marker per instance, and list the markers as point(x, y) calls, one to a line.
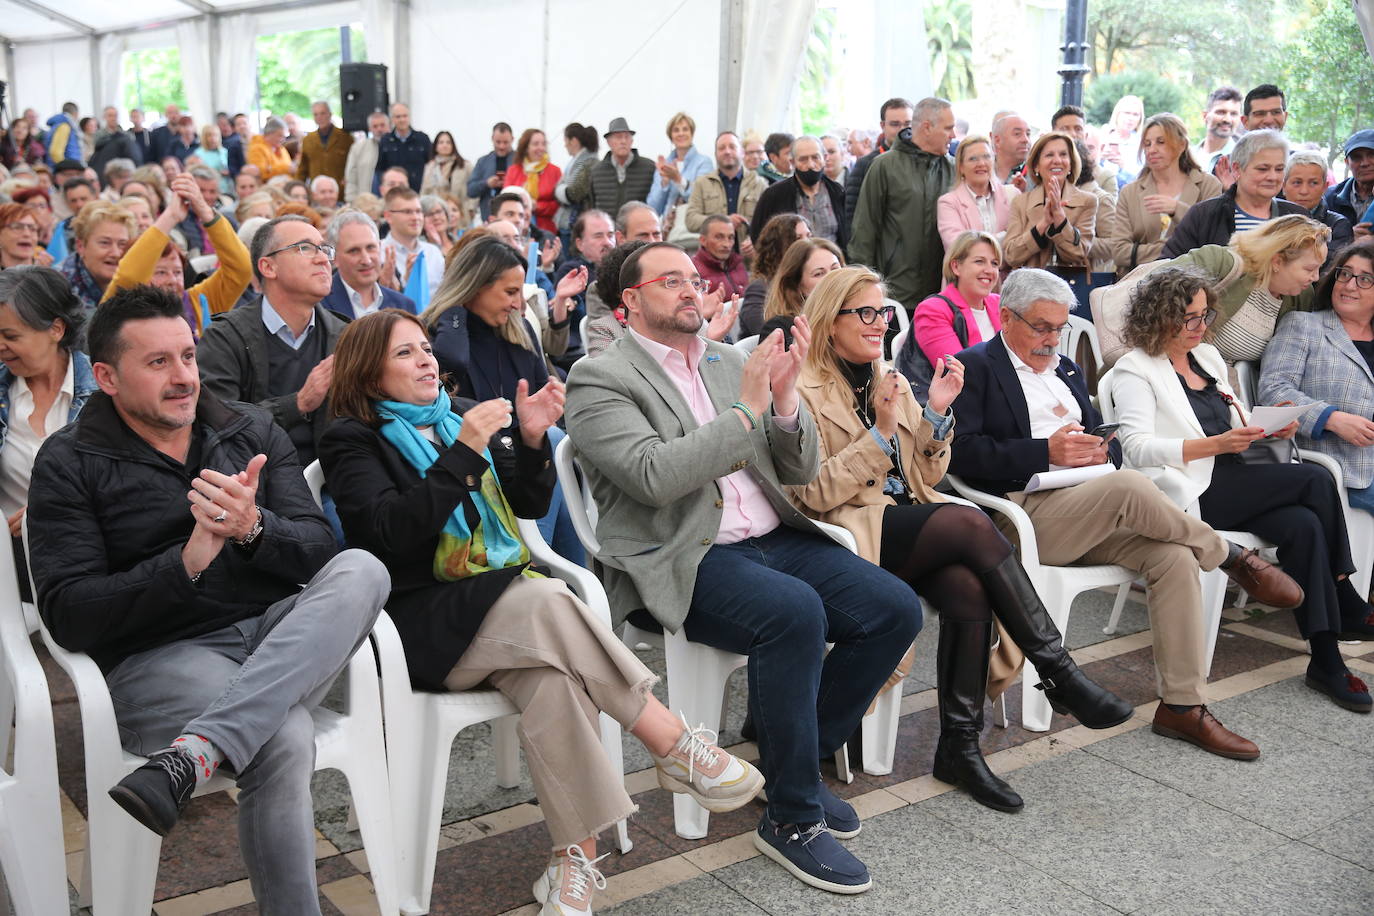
point(1353, 197)
point(622, 176)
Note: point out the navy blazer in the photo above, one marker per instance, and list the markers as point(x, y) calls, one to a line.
point(338, 302)
point(993, 449)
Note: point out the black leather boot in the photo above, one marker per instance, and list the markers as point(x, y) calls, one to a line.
point(962, 675)
point(1069, 690)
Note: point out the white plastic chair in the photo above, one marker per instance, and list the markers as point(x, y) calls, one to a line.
point(422, 725)
point(903, 320)
point(31, 841)
point(1056, 585)
point(746, 345)
point(897, 343)
point(1068, 341)
point(119, 875)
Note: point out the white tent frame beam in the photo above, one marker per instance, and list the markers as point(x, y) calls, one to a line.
point(61, 18)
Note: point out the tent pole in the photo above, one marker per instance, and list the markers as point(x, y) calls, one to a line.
point(402, 58)
point(731, 62)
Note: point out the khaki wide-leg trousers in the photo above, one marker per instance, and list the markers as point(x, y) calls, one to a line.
point(545, 650)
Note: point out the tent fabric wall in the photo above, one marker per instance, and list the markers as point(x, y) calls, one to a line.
point(197, 71)
point(644, 63)
point(236, 79)
point(49, 74)
point(775, 36)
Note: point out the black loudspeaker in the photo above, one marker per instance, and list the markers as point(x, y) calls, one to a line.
point(362, 87)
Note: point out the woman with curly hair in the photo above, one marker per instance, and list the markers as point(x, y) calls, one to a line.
point(777, 235)
point(1182, 426)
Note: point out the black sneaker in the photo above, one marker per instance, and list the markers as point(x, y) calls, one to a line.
point(155, 793)
point(813, 856)
point(840, 815)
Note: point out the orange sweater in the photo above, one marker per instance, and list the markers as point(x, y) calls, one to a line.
point(270, 164)
point(222, 288)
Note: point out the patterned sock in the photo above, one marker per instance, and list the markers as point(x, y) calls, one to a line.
point(206, 755)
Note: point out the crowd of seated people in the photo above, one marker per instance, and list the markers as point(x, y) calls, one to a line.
point(193, 311)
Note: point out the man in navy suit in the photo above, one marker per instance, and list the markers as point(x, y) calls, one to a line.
point(1024, 410)
point(357, 289)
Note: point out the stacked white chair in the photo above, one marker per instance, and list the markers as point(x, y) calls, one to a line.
point(746, 345)
point(119, 875)
point(421, 727)
point(31, 840)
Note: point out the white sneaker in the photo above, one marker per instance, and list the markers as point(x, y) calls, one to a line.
point(566, 886)
point(717, 780)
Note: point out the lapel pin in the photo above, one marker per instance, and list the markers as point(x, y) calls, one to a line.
point(713, 358)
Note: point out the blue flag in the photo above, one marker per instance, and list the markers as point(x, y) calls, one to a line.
point(417, 287)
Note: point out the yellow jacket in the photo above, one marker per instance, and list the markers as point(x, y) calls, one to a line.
point(221, 289)
point(270, 164)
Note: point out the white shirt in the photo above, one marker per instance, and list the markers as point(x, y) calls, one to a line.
point(1045, 392)
point(355, 298)
point(985, 329)
point(277, 325)
point(22, 443)
point(987, 210)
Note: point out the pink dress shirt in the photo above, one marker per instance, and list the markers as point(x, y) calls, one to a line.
point(747, 512)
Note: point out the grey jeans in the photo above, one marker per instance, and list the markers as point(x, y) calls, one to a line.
point(248, 689)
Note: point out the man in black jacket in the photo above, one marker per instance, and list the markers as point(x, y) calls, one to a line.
point(169, 532)
point(405, 147)
point(278, 352)
point(807, 191)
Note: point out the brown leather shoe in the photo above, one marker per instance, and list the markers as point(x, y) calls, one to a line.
point(1198, 726)
point(1264, 582)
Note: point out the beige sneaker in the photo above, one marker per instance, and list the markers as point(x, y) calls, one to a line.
point(567, 884)
point(697, 767)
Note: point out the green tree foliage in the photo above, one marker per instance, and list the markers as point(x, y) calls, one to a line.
point(818, 74)
point(949, 34)
point(1328, 75)
point(297, 68)
point(152, 79)
point(1155, 91)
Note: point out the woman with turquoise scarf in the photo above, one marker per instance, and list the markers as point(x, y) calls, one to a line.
point(432, 486)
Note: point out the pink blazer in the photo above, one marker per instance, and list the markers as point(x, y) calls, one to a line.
point(957, 211)
point(933, 324)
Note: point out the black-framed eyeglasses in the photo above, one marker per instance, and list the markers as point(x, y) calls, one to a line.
point(1363, 281)
point(305, 250)
point(1041, 330)
point(868, 314)
point(1201, 321)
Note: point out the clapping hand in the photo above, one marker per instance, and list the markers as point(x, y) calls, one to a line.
point(482, 421)
point(227, 503)
point(945, 387)
point(724, 319)
point(549, 252)
point(386, 275)
point(538, 411)
point(785, 365)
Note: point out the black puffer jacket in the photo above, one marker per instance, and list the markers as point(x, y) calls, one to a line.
point(1213, 222)
point(108, 517)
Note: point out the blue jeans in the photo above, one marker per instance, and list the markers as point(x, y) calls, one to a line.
point(556, 525)
point(779, 599)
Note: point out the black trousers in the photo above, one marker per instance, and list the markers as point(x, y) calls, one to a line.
point(1295, 507)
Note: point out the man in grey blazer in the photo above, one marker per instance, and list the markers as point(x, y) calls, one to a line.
point(687, 445)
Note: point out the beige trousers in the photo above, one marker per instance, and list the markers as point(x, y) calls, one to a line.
point(1124, 519)
point(545, 650)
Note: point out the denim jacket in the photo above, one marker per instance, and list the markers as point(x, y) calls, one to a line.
point(83, 386)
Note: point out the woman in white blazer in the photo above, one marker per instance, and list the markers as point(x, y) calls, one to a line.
point(1182, 427)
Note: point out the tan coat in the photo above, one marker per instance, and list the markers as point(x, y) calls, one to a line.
point(1073, 242)
point(1138, 237)
point(848, 491)
point(708, 199)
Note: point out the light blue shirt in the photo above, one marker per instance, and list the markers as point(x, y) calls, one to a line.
point(277, 325)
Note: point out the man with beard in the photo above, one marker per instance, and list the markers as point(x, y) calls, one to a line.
point(170, 532)
point(695, 528)
point(808, 192)
point(1221, 117)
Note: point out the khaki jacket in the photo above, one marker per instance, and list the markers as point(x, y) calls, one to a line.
point(1138, 237)
point(848, 491)
point(708, 198)
point(1073, 242)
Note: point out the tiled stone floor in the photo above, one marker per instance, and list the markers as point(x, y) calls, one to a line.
point(1115, 822)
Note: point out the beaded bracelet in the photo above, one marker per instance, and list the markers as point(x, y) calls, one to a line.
point(753, 420)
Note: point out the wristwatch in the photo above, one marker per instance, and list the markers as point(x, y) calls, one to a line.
point(253, 534)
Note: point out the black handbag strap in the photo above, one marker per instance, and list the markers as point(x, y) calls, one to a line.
point(960, 325)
